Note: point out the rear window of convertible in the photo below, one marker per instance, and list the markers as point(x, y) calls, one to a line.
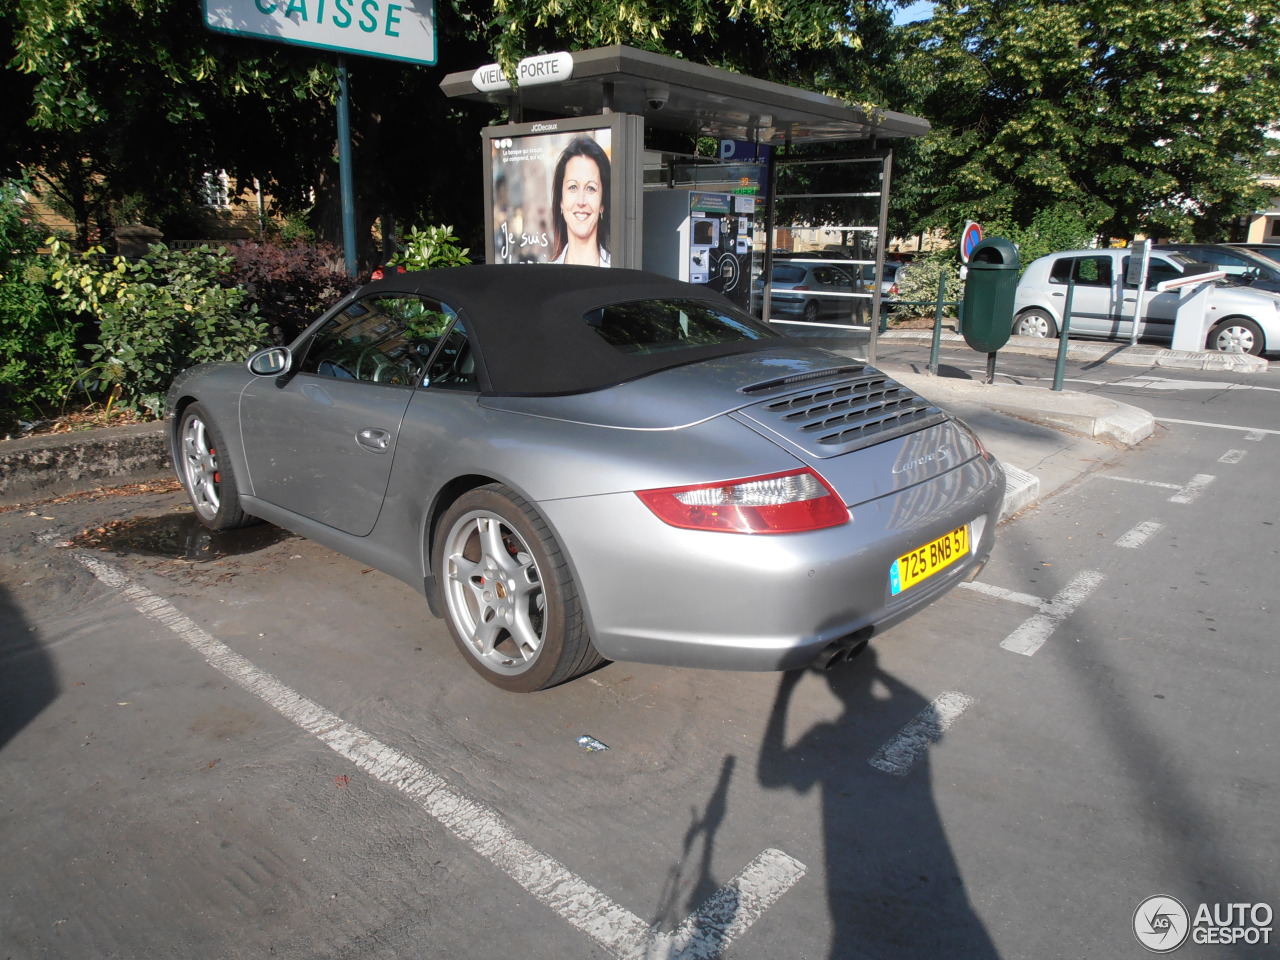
point(651, 326)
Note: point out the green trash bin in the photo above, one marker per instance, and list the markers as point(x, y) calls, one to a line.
point(986, 314)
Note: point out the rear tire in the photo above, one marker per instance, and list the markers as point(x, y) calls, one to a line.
point(206, 473)
point(507, 593)
point(1236, 335)
point(1035, 323)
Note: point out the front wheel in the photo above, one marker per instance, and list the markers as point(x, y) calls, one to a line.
point(1236, 335)
point(509, 598)
point(205, 471)
point(1035, 323)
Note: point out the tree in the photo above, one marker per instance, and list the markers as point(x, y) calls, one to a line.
point(1134, 117)
point(125, 105)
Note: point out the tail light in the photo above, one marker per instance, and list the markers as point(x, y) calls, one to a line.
point(982, 447)
point(790, 502)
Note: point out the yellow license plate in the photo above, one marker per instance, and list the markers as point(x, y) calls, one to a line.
point(923, 562)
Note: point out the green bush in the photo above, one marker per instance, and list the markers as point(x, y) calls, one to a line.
point(290, 285)
point(37, 343)
point(429, 248)
point(918, 281)
point(155, 317)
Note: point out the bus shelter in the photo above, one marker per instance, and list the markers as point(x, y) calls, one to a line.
point(773, 195)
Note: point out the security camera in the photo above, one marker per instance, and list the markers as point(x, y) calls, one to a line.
point(657, 97)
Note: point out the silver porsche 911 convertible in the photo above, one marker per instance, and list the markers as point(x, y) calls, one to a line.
point(577, 464)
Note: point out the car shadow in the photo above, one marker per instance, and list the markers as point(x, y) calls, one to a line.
point(28, 682)
point(894, 889)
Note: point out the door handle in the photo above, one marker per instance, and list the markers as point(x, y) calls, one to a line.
point(371, 438)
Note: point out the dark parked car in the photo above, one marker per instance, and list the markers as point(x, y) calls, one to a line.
point(1243, 267)
point(1269, 250)
point(576, 464)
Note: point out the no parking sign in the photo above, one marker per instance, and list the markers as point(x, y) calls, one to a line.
point(970, 238)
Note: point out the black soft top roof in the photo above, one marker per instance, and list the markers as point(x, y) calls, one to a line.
point(527, 322)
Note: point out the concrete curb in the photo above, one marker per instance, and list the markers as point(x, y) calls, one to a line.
point(54, 465)
point(1085, 414)
point(1021, 490)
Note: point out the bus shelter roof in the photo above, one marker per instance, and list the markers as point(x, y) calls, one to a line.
point(674, 94)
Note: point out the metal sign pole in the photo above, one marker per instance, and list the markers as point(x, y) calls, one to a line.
point(1141, 249)
point(344, 169)
point(1064, 335)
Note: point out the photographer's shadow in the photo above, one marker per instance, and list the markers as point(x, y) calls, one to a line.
point(893, 886)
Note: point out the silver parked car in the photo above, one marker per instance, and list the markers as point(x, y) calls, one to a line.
point(1243, 320)
point(814, 291)
point(576, 464)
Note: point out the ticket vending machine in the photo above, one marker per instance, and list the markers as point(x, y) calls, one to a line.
point(701, 237)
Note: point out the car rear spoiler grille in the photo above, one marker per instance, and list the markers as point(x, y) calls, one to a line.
point(860, 412)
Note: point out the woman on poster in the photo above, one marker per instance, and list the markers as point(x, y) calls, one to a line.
point(580, 201)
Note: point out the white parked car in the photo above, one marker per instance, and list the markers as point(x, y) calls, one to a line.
point(1243, 320)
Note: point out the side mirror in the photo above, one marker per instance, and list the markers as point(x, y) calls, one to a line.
point(271, 362)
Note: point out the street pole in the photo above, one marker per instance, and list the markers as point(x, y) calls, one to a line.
point(1064, 335)
point(344, 169)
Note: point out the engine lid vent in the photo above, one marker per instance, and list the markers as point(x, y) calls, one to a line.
point(841, 417)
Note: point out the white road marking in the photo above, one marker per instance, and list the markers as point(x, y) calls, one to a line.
point(726, 915)
point(909, 744)
point(1254, 433)
point(1140, 534)
point(1035, 630)
point(1191, 492)
point(1187, 493)
point(1148, 483)
point(1232, 456)
point(1000, 593)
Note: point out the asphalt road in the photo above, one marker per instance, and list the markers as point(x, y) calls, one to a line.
point(274, 751)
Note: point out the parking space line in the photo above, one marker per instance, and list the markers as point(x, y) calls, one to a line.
point(1186, 492)
point(1233, 456)
point(1140, 534)
point(1035, 630)
point(1254, 433)
point(909, 744)
point(1191, 492)
point(1000, 593)
point(1148, 483)
point(726, 915)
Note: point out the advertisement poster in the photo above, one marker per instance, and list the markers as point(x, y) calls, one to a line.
point(551, 197)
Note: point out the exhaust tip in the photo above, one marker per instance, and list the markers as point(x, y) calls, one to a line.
point(842, 650)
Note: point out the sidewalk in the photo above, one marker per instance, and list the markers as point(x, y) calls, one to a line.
point(1044, 439)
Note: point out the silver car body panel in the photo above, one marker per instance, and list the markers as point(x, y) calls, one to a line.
point(322, 447)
